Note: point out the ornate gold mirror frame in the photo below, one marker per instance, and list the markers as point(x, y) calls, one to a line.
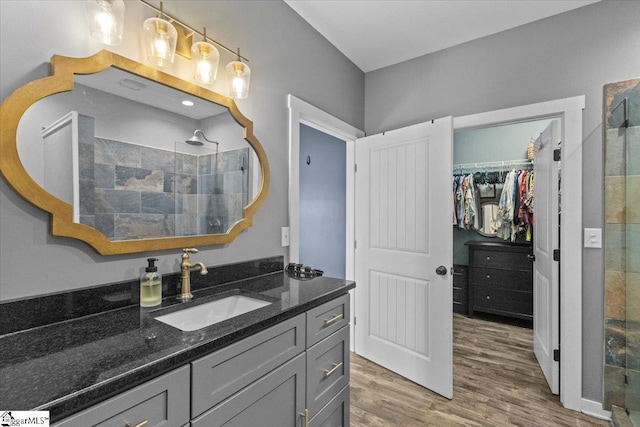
point(61, 212)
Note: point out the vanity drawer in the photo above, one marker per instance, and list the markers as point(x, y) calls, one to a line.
point(500, 259)
point(510, 279)
point(219, 375)
point(327, 370)
point(163, 401)
point(336, 413)
point(502, 301)
point(327, 318)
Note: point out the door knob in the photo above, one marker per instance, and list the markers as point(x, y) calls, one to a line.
point(441, 271)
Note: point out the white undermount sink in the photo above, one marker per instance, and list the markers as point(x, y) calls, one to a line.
point(200, 316)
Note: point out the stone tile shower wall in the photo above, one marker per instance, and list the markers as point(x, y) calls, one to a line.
point(131, 192)
point(622, 247)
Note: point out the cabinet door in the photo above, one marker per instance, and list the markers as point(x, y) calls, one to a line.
point(277, 399)
point(221, 374)
point(163, 401)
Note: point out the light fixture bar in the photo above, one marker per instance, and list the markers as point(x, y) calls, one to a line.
point(191, 29)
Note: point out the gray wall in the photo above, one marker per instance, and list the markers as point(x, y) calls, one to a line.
point(286, 56)
point(567, 55)
point(323, 202)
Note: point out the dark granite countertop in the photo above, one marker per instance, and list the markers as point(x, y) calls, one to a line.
point(70, 365)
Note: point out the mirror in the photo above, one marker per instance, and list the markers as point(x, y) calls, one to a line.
point(488, 219)
point(102, 146)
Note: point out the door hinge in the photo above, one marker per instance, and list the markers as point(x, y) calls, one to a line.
point(556, 155)
point(355, 167)
point(556, 254)
point(556, 355)
point(355, 320)
point(355, 244)
point(626, 379)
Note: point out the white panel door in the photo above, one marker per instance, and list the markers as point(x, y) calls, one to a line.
point(545, 269)
point(403, 234)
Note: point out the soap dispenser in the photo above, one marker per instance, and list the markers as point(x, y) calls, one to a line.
point(150, 285)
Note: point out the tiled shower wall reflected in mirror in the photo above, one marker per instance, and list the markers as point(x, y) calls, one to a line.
point(129, 191)
point(622, 247)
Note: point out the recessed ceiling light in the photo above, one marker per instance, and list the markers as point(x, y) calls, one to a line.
point(187, 103)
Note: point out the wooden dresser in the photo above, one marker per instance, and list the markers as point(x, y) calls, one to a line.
point(501, 279)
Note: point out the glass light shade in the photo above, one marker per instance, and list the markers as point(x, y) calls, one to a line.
point(106, 20)
point(239, 76)
point(205, 58)
point(160, 38)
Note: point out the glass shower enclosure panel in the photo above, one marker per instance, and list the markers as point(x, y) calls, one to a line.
point(631, 126)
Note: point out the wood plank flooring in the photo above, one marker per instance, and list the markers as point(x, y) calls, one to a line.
point(496, 382)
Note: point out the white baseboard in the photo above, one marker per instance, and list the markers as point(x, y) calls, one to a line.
point(594, 409)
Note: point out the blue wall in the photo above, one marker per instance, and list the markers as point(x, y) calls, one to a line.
point(323, 209)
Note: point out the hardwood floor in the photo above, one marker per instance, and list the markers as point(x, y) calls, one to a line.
point(496, 382)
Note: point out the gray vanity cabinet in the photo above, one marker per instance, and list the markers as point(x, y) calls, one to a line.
point(162, 402)
point(293, 374)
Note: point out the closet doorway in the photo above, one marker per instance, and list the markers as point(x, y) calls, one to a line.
point(569, 300)
point(503, 264)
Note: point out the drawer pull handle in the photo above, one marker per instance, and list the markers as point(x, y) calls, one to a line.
point(333, 319)
point(488, 276)
point(328, 372)
point(140, 424)
point(305, 414)
point(488, 258)
point(488, 297)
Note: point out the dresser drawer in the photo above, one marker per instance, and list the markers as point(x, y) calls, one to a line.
point(163, 401)
point(327, 318)
point(327, 370)
point(500, 259)
point(219, 375)
point(509, 279)
point(503, 301)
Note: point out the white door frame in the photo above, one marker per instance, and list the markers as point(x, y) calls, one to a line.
point(570, 110)
point(303, 112)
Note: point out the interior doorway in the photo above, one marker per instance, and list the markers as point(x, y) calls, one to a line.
point(505, 233)
point(323, 202)
point(570, 111)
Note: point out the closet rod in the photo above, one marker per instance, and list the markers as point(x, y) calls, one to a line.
point(505, 164)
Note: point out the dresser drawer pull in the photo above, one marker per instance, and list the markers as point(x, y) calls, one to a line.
point(328, 372)
point(488, 258)
point(488, 297)
point(333, 319)
point(140, 424)
point(488, 276)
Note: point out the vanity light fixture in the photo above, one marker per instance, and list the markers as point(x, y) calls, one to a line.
point(205, 59)
point(205, 55)
point(198, 141)
point(160, 38)
point(106, 20)
point(239, 75)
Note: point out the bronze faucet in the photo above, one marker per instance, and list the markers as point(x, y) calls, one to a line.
point(185, 270)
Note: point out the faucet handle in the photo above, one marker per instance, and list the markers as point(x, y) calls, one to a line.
point(190, 250)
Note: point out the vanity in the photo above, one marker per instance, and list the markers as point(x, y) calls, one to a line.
point(104, 146)
point(284, 364)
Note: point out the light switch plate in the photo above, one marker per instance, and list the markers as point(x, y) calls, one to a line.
point(593, 237)
point(284, 236)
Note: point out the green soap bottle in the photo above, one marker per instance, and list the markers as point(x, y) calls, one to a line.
point(151, 285)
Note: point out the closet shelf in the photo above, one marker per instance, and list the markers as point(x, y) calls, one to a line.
point(493, 166)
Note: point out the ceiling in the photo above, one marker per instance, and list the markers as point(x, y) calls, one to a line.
point(377, 33)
